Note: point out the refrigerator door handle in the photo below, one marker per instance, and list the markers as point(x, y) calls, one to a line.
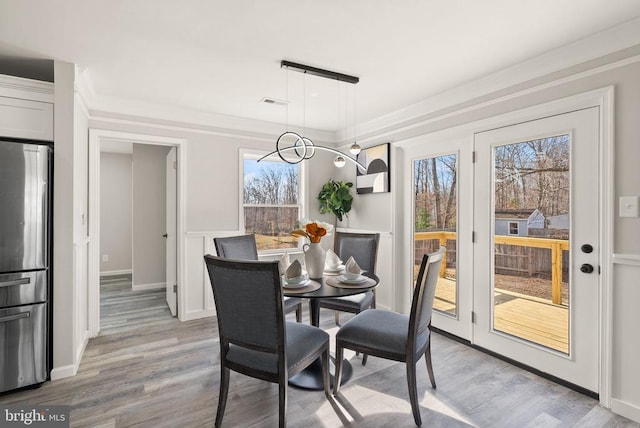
point(19, 316)
point(20, 281)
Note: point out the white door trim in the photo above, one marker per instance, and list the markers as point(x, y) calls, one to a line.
point(96, 136)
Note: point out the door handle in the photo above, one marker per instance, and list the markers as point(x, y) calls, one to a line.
point(165, 235)
point(15, 317)
point(586, 268)
point(20, 281)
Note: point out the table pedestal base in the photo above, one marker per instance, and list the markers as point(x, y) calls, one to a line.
point(311, 377)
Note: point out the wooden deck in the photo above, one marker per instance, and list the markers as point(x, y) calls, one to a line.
point(529, 318)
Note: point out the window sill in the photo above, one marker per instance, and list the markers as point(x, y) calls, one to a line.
point(276, 254)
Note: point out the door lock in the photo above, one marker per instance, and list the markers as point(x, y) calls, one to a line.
point(586, 268)
point(587, 248)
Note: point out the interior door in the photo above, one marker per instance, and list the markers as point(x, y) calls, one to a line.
point(536, 250)
point(171, 201)
point(441, 194)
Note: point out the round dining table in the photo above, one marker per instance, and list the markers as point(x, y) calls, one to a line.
point(311, 377)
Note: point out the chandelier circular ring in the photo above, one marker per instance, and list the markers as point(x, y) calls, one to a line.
point(303, 147)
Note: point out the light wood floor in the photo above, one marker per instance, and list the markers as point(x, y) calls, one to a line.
point(123, 309)
point(165, 373)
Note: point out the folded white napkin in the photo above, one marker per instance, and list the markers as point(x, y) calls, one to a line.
point(352, 266)
point(284, 262)
point(332, 260)
point(294, 270)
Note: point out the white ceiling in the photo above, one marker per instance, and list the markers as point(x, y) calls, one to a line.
point(223, 57)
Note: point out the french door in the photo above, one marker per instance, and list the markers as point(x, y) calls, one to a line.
point(440, 203)
point(536, 249)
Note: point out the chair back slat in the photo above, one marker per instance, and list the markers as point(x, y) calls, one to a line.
point(241, 247)
point(363, 247)
point(248, 300)
point(422, 303)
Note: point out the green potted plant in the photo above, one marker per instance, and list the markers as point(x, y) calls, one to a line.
point(335, 197)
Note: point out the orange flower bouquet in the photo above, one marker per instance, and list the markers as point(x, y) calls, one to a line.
point(312, 230)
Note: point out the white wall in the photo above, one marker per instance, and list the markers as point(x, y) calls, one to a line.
point(70, 331)
point(149, 215)
point(81, 225)
point(115, 212)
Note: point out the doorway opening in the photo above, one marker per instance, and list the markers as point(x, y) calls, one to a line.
point(145, 279)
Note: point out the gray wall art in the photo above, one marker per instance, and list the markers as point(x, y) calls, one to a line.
point(377, 179)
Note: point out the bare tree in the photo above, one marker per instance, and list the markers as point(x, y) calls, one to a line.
point(436, 193)
point(533, 174)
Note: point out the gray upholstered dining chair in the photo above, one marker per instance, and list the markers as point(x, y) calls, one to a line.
point(364, 249)
point(255, 339)
point(243, 247)
point(397, 336)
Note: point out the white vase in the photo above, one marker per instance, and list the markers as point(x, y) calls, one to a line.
point(314, 257)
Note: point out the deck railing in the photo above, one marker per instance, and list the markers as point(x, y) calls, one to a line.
point(555, 245)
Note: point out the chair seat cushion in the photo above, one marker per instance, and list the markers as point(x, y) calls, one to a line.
point(303, 341)
point(354, 304)
point(291, 303)
point(377, 329)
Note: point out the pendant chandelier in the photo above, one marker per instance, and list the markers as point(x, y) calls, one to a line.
point(292, 147)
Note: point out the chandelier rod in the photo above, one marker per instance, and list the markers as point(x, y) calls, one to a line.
point(320, 72)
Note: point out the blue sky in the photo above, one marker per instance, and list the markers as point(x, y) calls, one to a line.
point(252, 167)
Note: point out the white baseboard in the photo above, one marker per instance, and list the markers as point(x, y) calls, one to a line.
point(72, 369)
point(116, 272)
point(194, 315)
point(625, 409)
point(81, 347)
point(383, 307)
point(64, 371)
point(152, 286)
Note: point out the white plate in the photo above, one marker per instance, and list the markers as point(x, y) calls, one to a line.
point(352, 281)
point(297, 280)
point(297, 284)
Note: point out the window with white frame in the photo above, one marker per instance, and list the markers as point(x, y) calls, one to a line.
point(513, 228)
point(271, 201)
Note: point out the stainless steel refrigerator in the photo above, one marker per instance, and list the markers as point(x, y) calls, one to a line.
point(25, 263)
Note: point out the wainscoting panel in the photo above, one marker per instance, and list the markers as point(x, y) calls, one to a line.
point(198, 294)
point(625, 377)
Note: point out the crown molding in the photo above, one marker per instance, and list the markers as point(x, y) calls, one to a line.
point(112, 108)
point(247, 132)
point(19, 87)
point(590, 48)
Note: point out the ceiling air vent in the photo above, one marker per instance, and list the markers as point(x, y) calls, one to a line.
point(273, 101)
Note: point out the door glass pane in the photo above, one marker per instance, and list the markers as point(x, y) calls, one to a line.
point(531, 241)
point(435, 222)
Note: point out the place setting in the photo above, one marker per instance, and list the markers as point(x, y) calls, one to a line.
point(295, 280)
point(333, 265)
point(350, 277)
